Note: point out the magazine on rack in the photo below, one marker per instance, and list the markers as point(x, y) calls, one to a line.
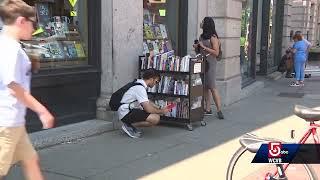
point(70, 49)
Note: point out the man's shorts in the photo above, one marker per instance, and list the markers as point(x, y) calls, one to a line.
point(135, 115)
point(15, 146)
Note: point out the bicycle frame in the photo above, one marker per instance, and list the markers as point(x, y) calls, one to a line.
point(312, 130)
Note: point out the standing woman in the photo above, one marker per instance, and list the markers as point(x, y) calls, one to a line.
point(209, 47)
point(299, 50)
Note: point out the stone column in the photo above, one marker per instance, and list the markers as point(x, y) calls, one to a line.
point(106, 60)
point(122, 33)
point(227, 16)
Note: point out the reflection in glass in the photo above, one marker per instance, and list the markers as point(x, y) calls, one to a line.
point(245, 39)
point(271, 60)
point(62, 33)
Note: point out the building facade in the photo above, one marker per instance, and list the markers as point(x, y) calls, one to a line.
point(301, 15)
point(122, 31)
point(253, 33)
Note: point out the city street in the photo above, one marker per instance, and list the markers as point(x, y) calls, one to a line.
point(167, 152)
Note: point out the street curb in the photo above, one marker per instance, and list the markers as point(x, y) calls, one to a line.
point(68, 133)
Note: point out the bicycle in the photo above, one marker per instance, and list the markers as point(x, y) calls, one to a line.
point(250, 142)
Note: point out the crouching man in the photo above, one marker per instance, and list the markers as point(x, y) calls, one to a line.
point(136, 109)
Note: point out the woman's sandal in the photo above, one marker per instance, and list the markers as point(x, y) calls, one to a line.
point(294, 84)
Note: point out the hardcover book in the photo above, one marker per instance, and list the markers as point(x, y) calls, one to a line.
point(79, 49)
point(157, 31)
point(163, 31)
point(43, 13)
point(56, 50)
point(70, 49)
point(148, 33)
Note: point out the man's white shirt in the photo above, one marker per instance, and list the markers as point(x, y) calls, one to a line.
point(134, 96)
point(15, 66)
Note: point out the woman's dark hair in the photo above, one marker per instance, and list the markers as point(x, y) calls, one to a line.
point(298, 37)
point(209, 28)
point(150, 73)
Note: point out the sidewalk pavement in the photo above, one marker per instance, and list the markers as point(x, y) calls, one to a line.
point(167, 152)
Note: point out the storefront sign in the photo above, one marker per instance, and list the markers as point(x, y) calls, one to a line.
point(73, 2)
point(162, 12)
point(73, 13)
point(197, 68)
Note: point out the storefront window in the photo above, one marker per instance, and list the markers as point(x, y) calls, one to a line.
point(61, 39)
point(160, 26)
point(245, 39)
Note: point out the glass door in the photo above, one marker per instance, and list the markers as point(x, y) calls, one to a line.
point(248, 41)
point(271, 32)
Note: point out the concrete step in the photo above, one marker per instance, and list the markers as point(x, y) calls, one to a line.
point(69, 133)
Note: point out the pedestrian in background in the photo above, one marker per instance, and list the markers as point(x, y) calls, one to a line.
point(299, 50)
point(19, 22)
point(308, 45)
point(209, 47)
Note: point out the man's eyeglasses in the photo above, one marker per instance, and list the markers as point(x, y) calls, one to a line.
point(34, 22)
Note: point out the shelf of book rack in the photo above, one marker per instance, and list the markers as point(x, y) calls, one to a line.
point(193, 115)
point(49, 39)
point(62, 63)
point(167, 95)
point(195, 98)
point(173, 119)
point(46, 60)
point(168, 72)
point(153, 39)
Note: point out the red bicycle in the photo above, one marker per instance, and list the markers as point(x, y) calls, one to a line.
point(251, 143)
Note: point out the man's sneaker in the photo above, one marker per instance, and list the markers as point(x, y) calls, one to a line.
point(220, 115)
point(136, 130)
point(130, 132)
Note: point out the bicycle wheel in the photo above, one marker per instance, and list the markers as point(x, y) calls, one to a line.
point(294, 171)
point(234, 161)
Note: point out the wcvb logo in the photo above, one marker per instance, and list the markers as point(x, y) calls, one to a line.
point(274, 149)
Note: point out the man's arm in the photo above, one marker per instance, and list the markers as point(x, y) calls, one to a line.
point(29, 101)
point(153, 104)
point(149, 108)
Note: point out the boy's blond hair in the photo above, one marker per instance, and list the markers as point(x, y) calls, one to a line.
point(10, 10)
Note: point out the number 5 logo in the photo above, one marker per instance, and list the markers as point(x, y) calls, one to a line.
point(274, 149)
